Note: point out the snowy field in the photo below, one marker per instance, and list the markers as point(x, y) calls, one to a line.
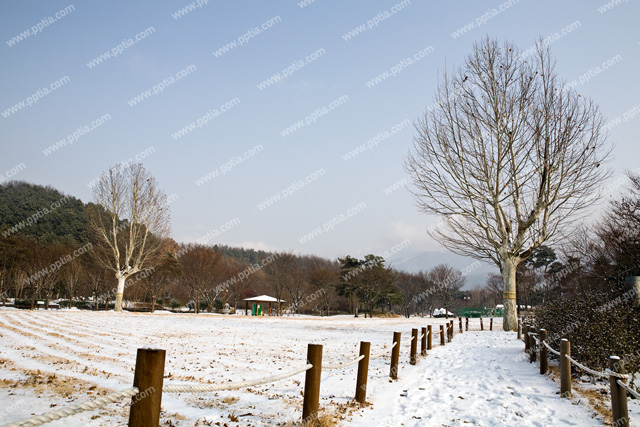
point(57, 358)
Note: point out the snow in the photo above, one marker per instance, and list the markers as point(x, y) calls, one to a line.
point(482, 378)
point(479, 379)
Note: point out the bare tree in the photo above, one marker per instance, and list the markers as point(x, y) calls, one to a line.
point(495, 286)
point(73, 275)
point(508, 155)
point(448, 283)
point(410, 285)
point(323, 276)
point(166, 274)
point(131, 221)
point(279, 275)
point(298, 286)
point(199, 267)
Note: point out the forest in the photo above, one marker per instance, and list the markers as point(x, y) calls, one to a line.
point(49, 253)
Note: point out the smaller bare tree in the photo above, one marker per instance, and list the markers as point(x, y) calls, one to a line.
point(448, 283)
point(131, 221)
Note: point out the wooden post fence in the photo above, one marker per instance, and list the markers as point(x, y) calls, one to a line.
point(466, 323)
point(413, 356)
point(565, 368)
point(395, 355)
point(619, 409)
point(544, 358)
point(442, 337)
point(430, 329)
point(460, 324)
point(312, 382)
point(363, 372)
point(526, 338)
point(145, 406)
point(519, 329)
point(491, 324)
point(481, 325)
point(532, 347)
point(423, 344)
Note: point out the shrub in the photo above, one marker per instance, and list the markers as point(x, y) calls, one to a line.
point(597, 326)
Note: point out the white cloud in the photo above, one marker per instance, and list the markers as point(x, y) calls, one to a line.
point(258, 246)
point(397, 231)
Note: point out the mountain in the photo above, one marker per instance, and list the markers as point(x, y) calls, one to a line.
point(476, 271)
point(41, 213)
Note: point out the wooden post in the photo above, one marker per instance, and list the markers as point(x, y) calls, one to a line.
point(619, 409)
point(363, 372)
point(312, 382)
point(423, 344)
point(491, 324)
point(532, 348)
point(430, 329)
point(460, 324)
point(519, 329)
point(526, 338)
point(467, 324)
point(395, 355)
point(544, 359)
point(414, 346)
point(145, 406)
point(481, 325)
point(442, 337)
point(565, 368)
point(452, 328)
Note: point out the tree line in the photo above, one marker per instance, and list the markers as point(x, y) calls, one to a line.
point(207, 277)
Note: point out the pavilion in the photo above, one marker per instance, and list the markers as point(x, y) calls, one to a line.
point(262, 299)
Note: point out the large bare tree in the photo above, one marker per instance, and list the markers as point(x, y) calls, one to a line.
point(508, 155)
point(131, 221)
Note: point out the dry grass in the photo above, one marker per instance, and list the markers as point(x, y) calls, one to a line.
point(324, 420)
point(599, 402)
point(230, 400)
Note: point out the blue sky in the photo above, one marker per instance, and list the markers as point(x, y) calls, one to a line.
point(334, 94)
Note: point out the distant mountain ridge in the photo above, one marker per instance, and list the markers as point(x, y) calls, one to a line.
point(477, 271)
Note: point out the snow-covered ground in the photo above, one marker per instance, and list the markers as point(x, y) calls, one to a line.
point(56, 358)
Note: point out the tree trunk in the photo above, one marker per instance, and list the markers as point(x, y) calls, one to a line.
point(119, 293)
point(509, 320)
